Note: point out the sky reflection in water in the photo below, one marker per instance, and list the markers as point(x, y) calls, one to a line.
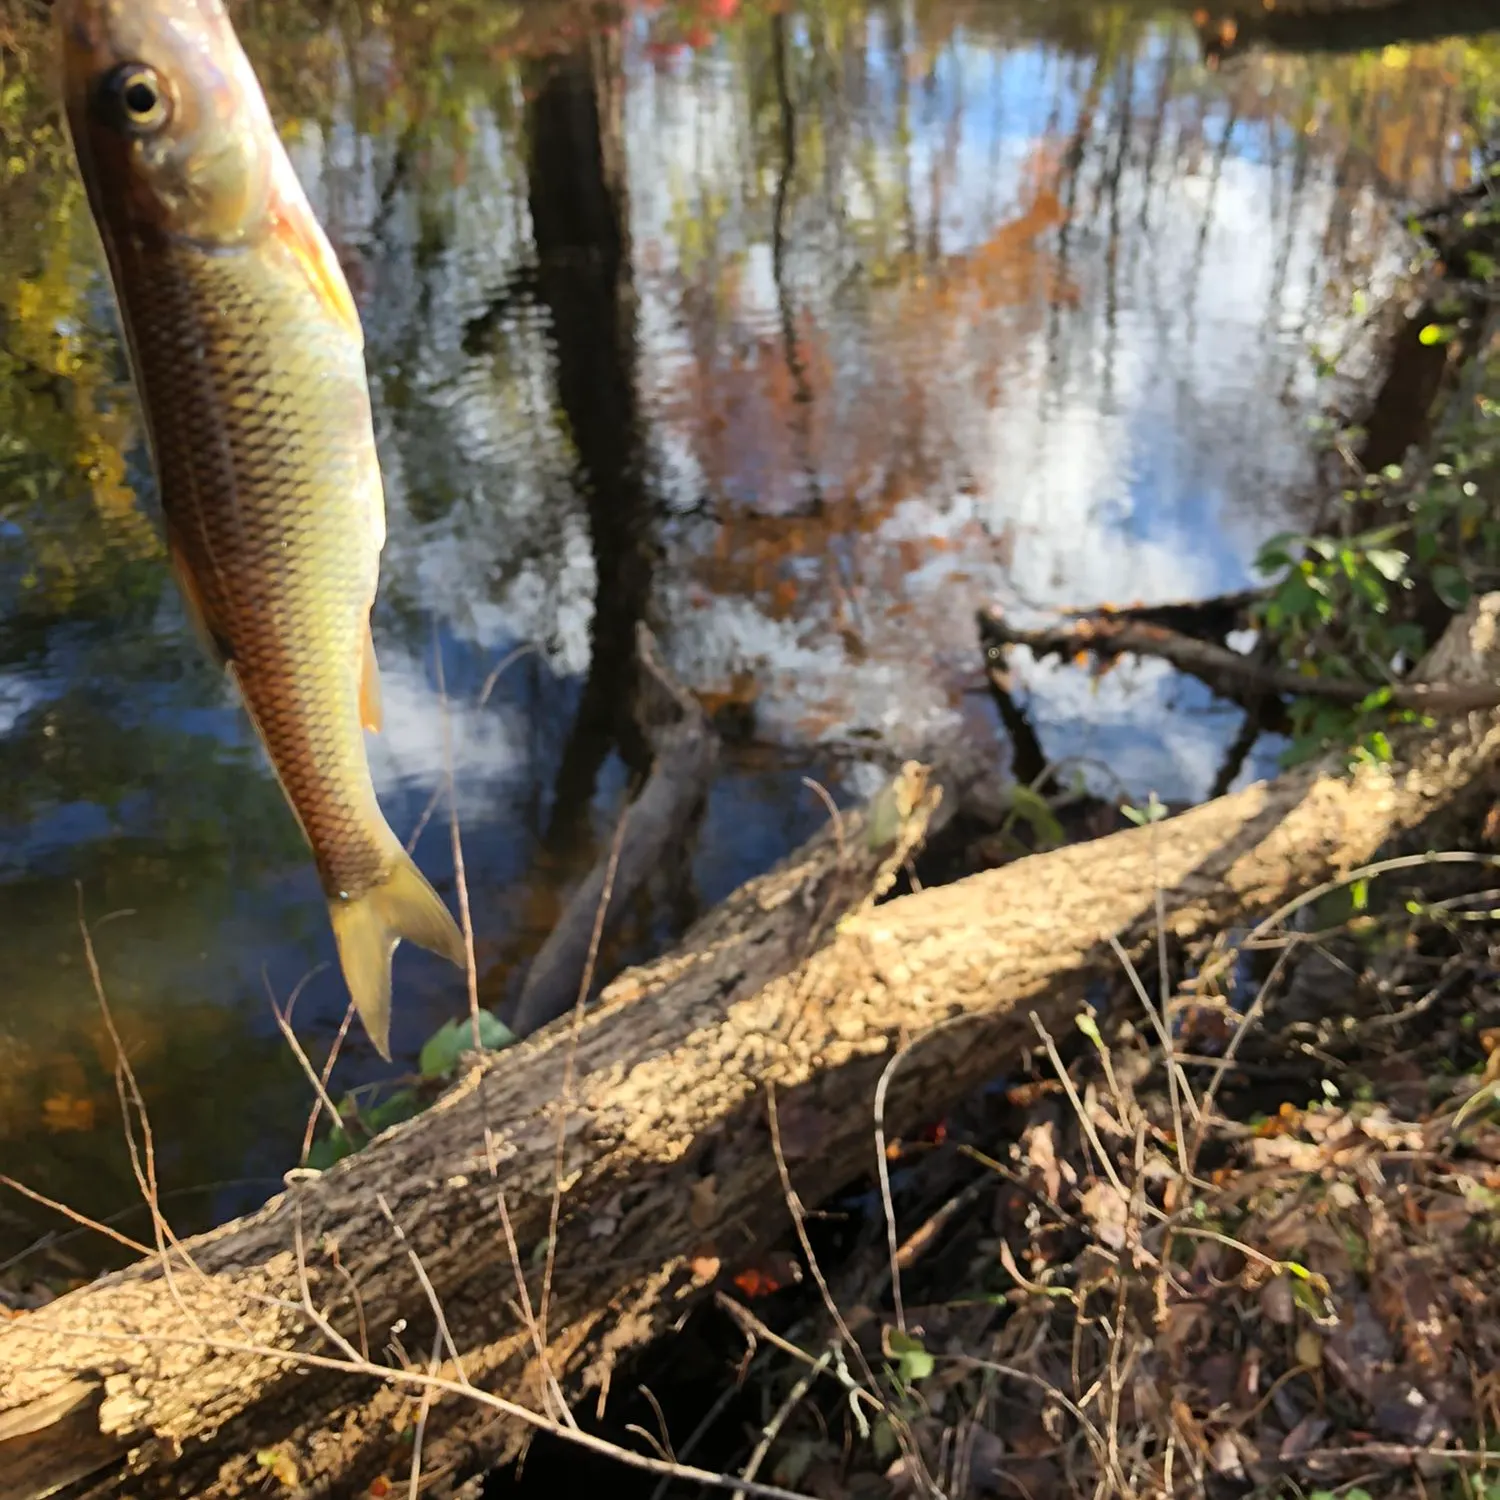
point(803, 344)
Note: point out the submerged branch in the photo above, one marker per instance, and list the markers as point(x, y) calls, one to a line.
point(1241, 679)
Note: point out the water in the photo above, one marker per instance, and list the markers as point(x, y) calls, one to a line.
point(799, 336)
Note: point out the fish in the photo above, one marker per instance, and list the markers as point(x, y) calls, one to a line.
point(246, 350)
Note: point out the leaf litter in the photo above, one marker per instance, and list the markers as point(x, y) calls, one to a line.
point(1286, 1285)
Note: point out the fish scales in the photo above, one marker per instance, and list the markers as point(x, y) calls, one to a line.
point(251, 409)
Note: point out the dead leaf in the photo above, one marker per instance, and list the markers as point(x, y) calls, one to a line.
point(1449, 1215)
point(1286, 1150)
point(63, 1112)
point(1182, 1318)
point(1247, 1381)
point(1359, 1351)
point(1039, 1147)
point(1024, 1095)
point(770, 1274)
point(1309, 1349)
point(704, 1206)
point(1189, 1429)
point(1415, 1310)
point(986, 1455)
point(1406, 1414)
point(607, 1220)
point(1303, 1438)
point(1106, 1209)
point(1224, 1457)
point(1276, 1301)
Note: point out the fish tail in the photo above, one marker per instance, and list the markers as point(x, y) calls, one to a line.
point(368, 928)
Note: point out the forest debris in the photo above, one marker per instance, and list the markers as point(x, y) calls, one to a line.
point(801, 979)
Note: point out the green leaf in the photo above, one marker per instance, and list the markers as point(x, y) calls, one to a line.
point(883, 1439)
point(913, 1361)
point(1153, 812)
point(1034, 810)
point(401, 1105)
point(333, 1147)
point(442, 1050)
point(1294, 596)
point(1388, 562)
point(1450, 585)
point(1434, 333)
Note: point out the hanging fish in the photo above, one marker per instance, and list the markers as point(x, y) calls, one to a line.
point(248, 358)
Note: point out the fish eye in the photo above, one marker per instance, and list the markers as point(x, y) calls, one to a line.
point(138, 98)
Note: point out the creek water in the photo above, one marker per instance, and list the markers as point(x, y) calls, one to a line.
point(796, 334)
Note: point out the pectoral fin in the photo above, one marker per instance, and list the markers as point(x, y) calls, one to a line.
point(371, 714)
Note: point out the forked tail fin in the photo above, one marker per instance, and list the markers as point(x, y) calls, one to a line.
point(367, 930)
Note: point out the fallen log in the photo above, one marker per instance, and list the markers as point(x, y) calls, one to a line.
point(1240, 678)
point(183, 1373)
point(1211, 619)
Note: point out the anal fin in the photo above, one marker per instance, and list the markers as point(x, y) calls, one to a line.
point(371, 714)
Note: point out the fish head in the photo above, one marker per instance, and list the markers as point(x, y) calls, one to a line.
point(171, 129)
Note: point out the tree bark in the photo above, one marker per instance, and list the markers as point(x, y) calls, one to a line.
point(170, 1384)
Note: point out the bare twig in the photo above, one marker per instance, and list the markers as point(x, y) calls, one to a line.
point(1178, 1086)
point(570, 1065)
point(772, 1429)
point(321, 1091)
point(82, 1220)
point(418, 1380)
point(142, 1155)
point(1096, 1439)
point(698, 1433)
point(284, 1025)
point(757, 1331)
point(423, 1407)
point(1105, 1159)
point(427, 1287)
point(882, 1166)
point(550, 1383)
point(799, 1222)
point(1226, 672)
